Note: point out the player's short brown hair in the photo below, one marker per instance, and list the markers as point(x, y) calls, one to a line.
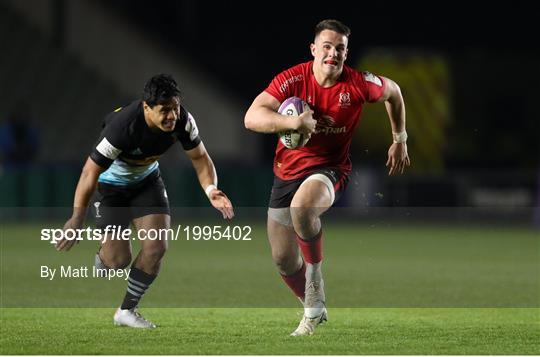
point(334, 25)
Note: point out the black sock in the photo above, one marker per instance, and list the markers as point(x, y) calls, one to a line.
point(138, 282)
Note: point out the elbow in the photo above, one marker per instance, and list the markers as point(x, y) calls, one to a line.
point(87, 172)
point(91, 170)
point(249, 123)
point(395, 93)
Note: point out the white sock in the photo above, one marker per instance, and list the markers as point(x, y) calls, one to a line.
point(314, 273)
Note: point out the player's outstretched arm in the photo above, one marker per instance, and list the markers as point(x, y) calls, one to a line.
point(398, 158)
point(206, 173)
point(262, 117)
point(85, 188)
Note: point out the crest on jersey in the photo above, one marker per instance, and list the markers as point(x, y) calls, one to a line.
point(344, 99)
point(370, 77)
point(96, 205)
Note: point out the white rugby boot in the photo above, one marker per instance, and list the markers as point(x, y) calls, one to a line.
point(307, 325)
point(314, 309)
point(131, 318)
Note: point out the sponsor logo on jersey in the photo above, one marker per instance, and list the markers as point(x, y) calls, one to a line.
point(344, 100)
point(326, 125)
point(106, 149)
point(290, 81)
point(370, 77)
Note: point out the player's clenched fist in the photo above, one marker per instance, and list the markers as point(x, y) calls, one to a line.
point(306, 123)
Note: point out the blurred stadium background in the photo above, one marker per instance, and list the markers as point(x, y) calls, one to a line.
point(469, 81)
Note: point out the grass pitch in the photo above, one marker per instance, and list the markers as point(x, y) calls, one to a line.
point(265, 331)
point(390, 290)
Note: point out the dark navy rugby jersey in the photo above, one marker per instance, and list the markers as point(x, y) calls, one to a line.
point(129, 150)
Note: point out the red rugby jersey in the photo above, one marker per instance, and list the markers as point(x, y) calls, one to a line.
point(337, 111)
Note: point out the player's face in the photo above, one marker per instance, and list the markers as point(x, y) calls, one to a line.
point(163, 116)
point(329, 52)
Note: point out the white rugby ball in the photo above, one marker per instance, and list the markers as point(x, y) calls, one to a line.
point(293, 139)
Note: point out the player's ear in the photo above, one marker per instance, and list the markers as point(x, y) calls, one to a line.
point(312, 48)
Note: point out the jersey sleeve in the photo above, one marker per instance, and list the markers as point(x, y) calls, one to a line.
point(371, 86)
point(112, 141)
point(283, 85)
point(188, 133)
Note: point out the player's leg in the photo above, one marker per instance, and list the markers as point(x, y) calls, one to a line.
point(314, 196)
point(144, 270)
point(152, 250)
point(282, 237)
point(111, 216)
point(311, 200)
point(113, 254)
point(285, 252)
point(150, 211)
point(146, 266)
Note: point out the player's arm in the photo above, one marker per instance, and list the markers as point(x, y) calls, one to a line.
point(398, 157)
point(85, 188)
point(109, 147)
point(262, 117)
point(206, 173)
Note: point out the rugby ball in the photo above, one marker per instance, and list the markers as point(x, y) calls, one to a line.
point(293, 139)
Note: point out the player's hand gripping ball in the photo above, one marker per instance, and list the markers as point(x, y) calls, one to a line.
point(293, 139)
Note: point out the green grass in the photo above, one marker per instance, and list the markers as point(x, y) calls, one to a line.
point(415, 266)
point(265, 331)
point(390, 290)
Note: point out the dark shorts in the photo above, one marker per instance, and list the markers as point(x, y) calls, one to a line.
point(119, 205)
point(283, 191)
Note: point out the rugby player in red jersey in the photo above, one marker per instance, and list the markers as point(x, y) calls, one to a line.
point(308, 180)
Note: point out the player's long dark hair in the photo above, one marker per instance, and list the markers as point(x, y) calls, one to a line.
point(160, 89)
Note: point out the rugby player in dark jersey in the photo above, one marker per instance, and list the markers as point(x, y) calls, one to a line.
point(123, 166)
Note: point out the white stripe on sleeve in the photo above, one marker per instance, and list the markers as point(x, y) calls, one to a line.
point(106, 149)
